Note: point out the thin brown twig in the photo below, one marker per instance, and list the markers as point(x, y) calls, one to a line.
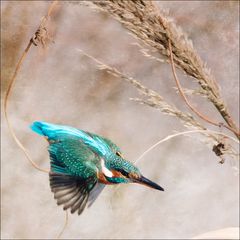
point(65, 225)
point(205, 118)
point(19, 64)
point(40, 34)
point(39, 37)
point(12, 81)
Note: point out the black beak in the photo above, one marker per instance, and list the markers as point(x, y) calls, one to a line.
point(149, 183)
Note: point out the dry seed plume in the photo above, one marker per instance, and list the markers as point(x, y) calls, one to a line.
point(153, 99)
point(148, 23)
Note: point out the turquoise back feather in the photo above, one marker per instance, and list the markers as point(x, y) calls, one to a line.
point(54, 132)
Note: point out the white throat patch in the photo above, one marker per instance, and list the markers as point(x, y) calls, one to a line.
point(105, 170)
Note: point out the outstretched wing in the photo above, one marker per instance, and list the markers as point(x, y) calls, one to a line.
point(74, 165)
point(73, 173)
point(72, 192)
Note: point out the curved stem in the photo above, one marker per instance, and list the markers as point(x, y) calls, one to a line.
point(6, 113)
point(64, 226)
point(8, 92)
point(183, 133)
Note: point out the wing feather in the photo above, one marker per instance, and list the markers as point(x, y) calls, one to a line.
point(71, 192)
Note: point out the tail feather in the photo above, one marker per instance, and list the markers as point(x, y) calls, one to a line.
point(46, 129)
point(38, 128)
point(53, 131)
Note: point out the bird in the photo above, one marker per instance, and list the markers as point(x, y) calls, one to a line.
point(83, 163)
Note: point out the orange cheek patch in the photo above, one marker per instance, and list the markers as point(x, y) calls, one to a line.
point(117, 174)
point(102, 178)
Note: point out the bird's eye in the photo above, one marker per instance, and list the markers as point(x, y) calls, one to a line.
point(119, 154)
point(123, 172)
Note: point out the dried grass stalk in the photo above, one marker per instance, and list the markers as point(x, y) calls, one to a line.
point(41, 37)
point(155, 100)
point(145, 20)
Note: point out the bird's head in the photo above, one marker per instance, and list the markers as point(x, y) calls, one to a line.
point(114, 168)
point(129, 173)
point(119, 170)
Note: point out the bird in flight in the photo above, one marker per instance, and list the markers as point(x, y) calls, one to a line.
point(83, 163)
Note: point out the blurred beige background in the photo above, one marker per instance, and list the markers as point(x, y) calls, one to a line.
point(60, 85)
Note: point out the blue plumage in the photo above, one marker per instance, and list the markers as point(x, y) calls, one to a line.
point(54, 131)
point(82, 163)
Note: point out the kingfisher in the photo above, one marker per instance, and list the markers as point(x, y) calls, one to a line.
point(83, 163)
